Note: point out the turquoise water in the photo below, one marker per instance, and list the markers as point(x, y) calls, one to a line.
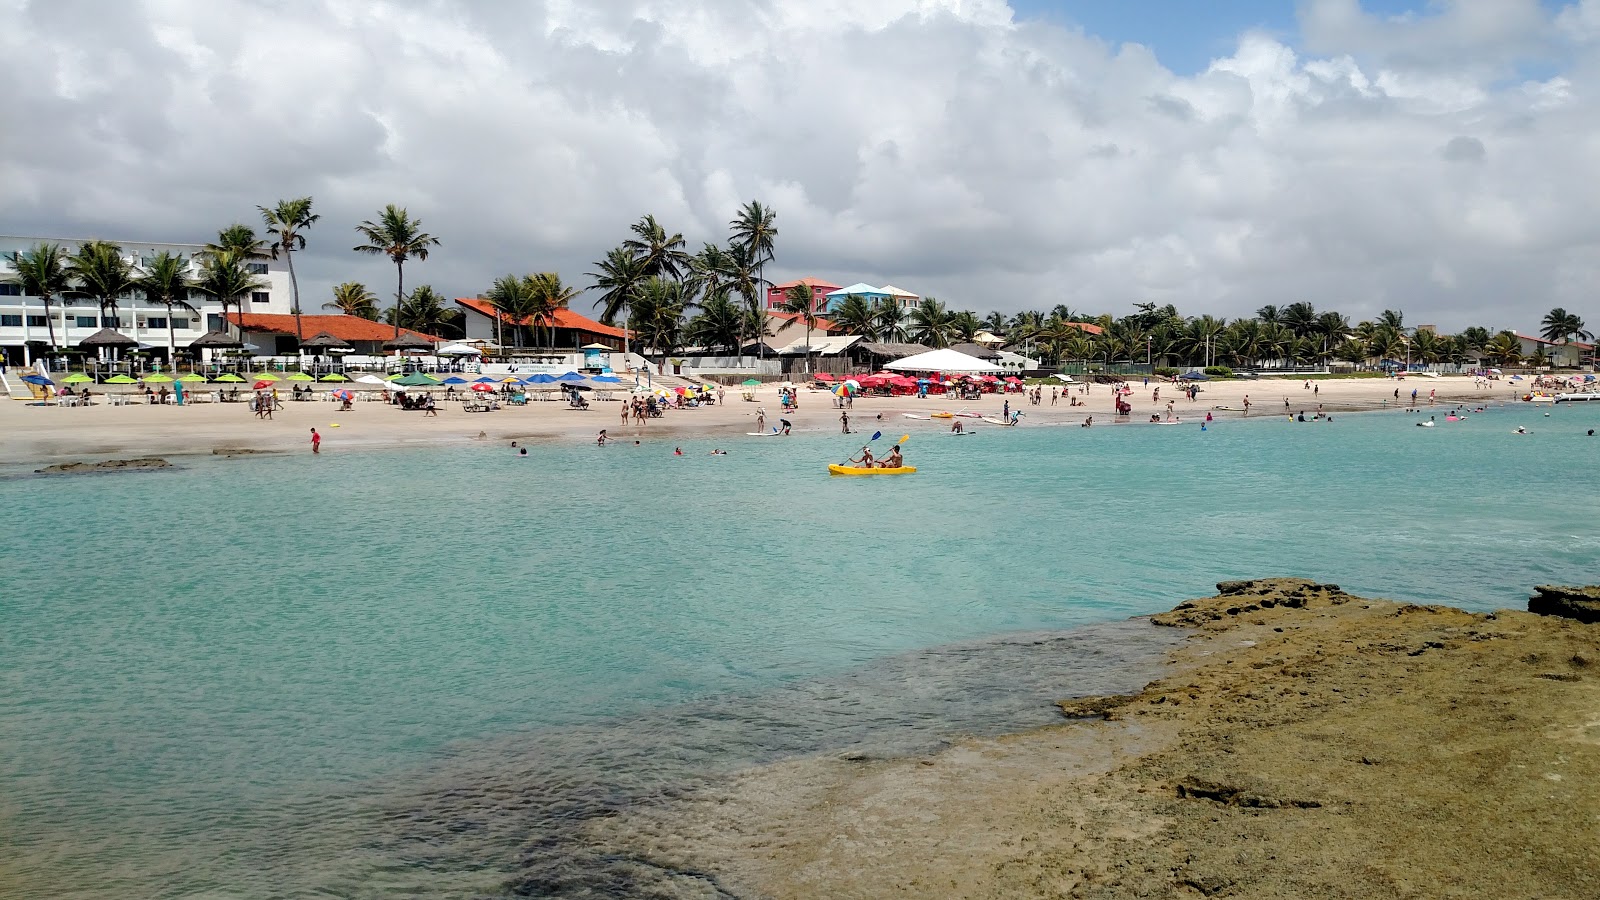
point(237, 676)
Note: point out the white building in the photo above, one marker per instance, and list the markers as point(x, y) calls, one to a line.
point(24, 332)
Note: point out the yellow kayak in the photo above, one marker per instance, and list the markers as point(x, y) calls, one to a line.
point(855, 470)
point(942, 415)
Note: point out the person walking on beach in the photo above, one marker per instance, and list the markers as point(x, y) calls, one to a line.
point(316, 441)
point(761, 418)
point(844, 421)
point(1247, 404)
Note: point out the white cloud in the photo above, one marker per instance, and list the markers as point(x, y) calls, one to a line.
point(943, 145)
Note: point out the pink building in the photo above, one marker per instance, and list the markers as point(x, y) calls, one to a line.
point(819, 293)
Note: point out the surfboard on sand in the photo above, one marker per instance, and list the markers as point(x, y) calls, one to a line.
point(914, 416)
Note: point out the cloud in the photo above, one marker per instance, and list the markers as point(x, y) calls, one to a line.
point(944, 145)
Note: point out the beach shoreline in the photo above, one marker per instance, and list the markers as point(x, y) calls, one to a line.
point(31, 435)
point(1306, 742)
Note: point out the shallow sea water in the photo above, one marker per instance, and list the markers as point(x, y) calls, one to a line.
point(419, 672)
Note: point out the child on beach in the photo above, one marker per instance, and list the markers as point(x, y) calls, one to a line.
point(316, 441)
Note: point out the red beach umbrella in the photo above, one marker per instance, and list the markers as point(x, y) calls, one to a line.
point(262, 385)
point(483, 388)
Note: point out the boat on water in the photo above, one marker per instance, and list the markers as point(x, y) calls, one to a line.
point(1580, 397)
point(857, 470)
point(1539, 398)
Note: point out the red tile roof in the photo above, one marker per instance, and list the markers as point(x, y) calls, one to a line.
point(822, 324)
point(1549, 343)
point(345, 328)
point(1087, 328)
point(564, 318)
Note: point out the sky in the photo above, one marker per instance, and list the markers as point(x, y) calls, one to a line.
point(1432, 157)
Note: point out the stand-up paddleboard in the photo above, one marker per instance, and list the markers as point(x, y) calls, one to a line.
point(961, 433)
point(1230, 408)
point(772, 433)
point(915, 416)
point(1167, 423)
point(1002, 422)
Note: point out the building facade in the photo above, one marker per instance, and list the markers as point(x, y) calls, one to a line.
point(25, 331)
point(778, 294)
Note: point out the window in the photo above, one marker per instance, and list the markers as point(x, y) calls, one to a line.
point(213, 322)
point(84, 321)
point(256, 268)
point(259, 296)
point(10, 321)
point(156, 323)
point(10, 290)
point(111, 322)
point(38, 322)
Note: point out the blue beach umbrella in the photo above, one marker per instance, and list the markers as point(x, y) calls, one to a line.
point(612, 379)
point(37, 379)
point(569, 376)
point(540, 378)
point(486, 380)
point(455, 379)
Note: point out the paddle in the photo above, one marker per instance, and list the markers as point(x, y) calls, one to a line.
point(875, 436)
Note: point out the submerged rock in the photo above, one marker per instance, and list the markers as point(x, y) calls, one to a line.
point(143, 462)
point(1581, 603)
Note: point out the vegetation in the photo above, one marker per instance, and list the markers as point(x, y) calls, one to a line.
point(398, 236)
point(353, 299)
point(427, 311)
point(42, 272)
point(287, 223)
point(165, 282)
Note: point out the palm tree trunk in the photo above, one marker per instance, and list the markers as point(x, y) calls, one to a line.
point(172, 341)
point(294, 293)
point(50, 323)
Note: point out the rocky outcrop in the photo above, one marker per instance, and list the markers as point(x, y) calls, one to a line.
point(1581, 603)
point(1236, 598)
point(144, 462)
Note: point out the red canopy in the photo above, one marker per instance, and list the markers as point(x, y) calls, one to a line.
point(824, 376)
point(873, 381)
point(1013, 379)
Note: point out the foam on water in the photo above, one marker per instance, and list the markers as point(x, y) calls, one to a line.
point(416, 670)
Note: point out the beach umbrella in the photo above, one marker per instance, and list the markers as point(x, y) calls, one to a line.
point(262, 385)
point(483, 388)
point(267, 376)
point(333, 376)
point(455, 379)
point(37, 379)
point(121, 379)
point(300, 376)
point(343, 394)
point(395, 377)
point(569, 377)
point(539, 378)
point(417, 379)
point(612, 379)
point(511, 379)
point(192, 377)
point(76, 378)
point(751, 382)
point(486, 380)
point(229, 377)
point(371, 379)
point(152, 379)
point(217, 340)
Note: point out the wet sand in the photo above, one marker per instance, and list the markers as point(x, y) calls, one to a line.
point(1306, 743)
point(30, 434)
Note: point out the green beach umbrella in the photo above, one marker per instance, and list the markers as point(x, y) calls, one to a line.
point(192, 377)
point(751, 382)
point(267, 376)
point(395, 377)
point(229, 376)
point(116, 379)
point(300, 376)
point(418, 379)
point(76, 378)
point(157, 379)
point(333, 376)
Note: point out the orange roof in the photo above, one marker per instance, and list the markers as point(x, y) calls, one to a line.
point(1087, 328)
point(824, 324)
point(564, 318)
point(345, 328)
point(809, 281)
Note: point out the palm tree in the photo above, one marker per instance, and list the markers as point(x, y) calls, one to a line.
point(287, 222)
point(619, 277)
point(891, 318)
point(708, 269)
point(743, 277)
point(548, 295)
point(995, 322)
point(242, 240)
point(1352, 351)
point(1563, 326)
point(165, 282)
point(513, 302)
point(1268, 314)
point(224, 277)
point(1333, 328)
point(425, 310)
point(719, 325)
point(1504, 348)
point(656, 316)
point(965, 325)
point(798, 300)
point(42, 272)
point(660, 253)
point(398, 236)
point(100, 272)
point(856, 316)
point(1395, 319)
point(754, 234)
point(930, 323)
point(353, 299)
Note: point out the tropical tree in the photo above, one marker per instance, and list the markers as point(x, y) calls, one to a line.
point(618, 278)
point(1504, 348)
point(930, 323)
point(1387, 343)
point(242, 240)
point(892, 325)
point(656, 316)
point(427, 311)
point(287, 223)
point(965, 325)
point(225, 278)
point(743, 277)
point(99, 272)
point(753, 233)
point(1351, 351)
point(1268, 314)
point(353, 299)
point(1427, 346)
point(512, 298)
point(1300, 318)
point(720, 323)
point(165, 282)
point(1563, 326)
point(798, 300)
point(856, 316)
point(398, 236)
point(548, 295)
point(1395, 319)
point(42, 272)
point(660, 253)
point(1333, 328)
point(708, 270)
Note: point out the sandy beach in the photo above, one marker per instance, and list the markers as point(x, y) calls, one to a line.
point(31, 434)
point(1307, 743)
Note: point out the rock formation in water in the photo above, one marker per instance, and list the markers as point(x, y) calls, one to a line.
point(1581, 603)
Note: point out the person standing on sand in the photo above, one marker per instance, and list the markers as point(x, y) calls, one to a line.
point(316, 441)
point(761, 418)
point(844, 421)
point(1247, 404)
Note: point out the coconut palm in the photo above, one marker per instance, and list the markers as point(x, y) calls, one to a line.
point(1352, 351)
point(618, 278)
point(224, 277)
point(287, 223)
point(1504, 348)
point(548, 295)
point(660, 253)
point(891, 318)
point(165, 282)
point(719, 325)
point(1269, 314)
point(1332, 328)
point(398, 236)
point(1395, 319)
point(426, 310)
point(512, 298)
point(1427, 347)
point(856, 316)
point(99, 272)
point(353, 299)
point(1563, 326)
point(708, 270)
point(930, 323)
point(242, 240)
point(798, 300)
point(1387, 343)
point(965, 325)
point(753, 232)
point(42, 272)
point(656, 316)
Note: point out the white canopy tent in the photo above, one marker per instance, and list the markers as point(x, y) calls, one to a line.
point(458, 350)
point(942, 361)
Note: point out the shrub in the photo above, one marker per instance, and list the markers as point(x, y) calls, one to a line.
point(1167, 372)
point(1219, 371)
